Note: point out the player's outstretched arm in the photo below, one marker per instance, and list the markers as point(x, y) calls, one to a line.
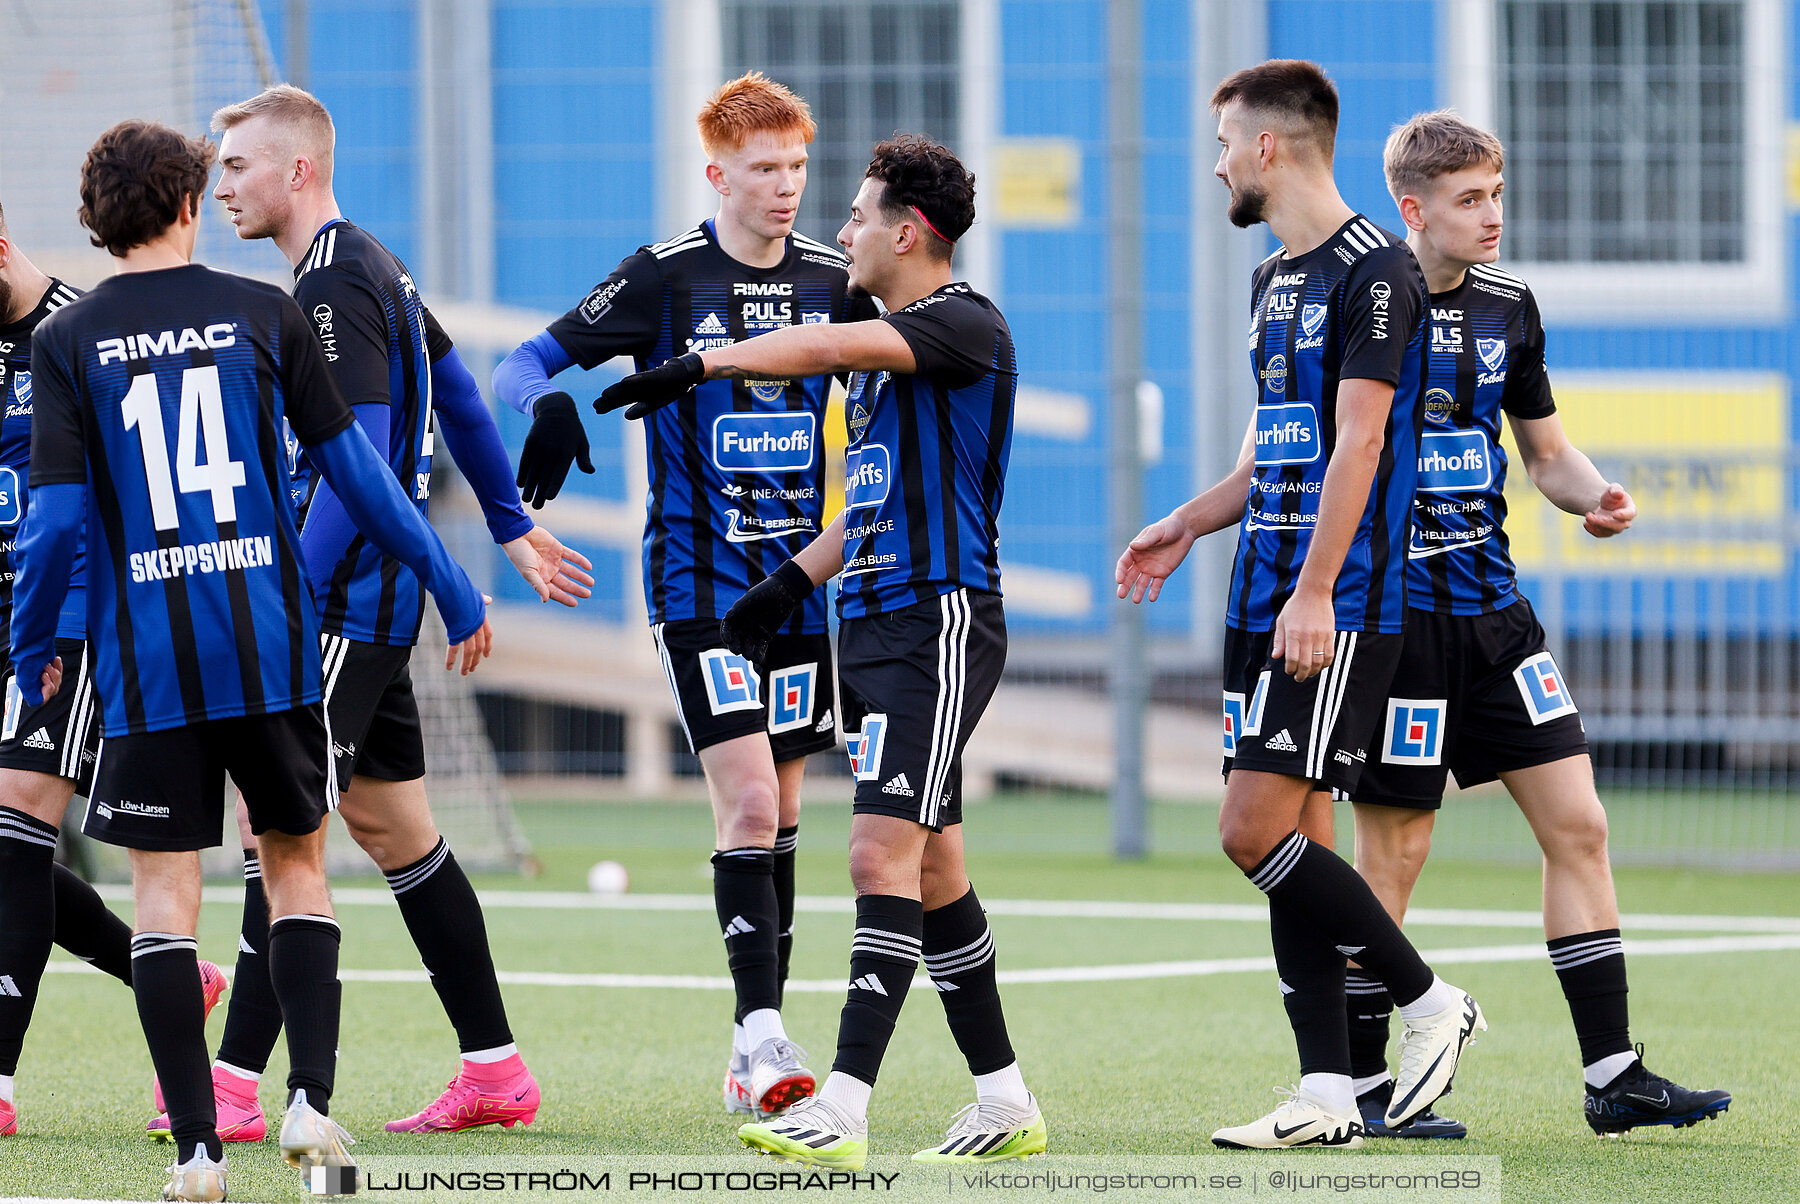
point(556, 439)
point(555, 573)
point(1564, 475)
point(795, 351)
point(754, 619)
point(1152, 557)
point(46, 553)
point(373, 499)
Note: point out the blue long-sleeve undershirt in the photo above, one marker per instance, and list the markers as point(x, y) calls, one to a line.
point(474, 443)
point(524, 376)
point(45, 554)
point(394, 525)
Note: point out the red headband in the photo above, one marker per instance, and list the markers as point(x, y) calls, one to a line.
point(929, 226)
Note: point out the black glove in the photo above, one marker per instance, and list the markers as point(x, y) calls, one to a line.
point(669, 381)
point(556, 438)
point(754, 618)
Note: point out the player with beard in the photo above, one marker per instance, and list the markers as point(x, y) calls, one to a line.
point(1322, 494)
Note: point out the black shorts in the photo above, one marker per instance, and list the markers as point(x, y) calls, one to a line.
point(721, 696)
point(165, 790)
point(61, 737)
point(375, 728)
point(1321, 729)
point(1474, 695)
point(916, 681)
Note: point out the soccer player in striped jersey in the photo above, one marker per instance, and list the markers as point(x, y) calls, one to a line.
point(921, 638)
point(407, 385)
point(1322, 494)
point(47, 752)
point(1476, 692)
point(737, 485)
point(160, 399)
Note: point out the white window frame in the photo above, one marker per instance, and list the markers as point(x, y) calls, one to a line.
point(693, 38)
point(1701, 294)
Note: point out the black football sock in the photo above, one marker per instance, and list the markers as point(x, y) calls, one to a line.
point(27, 924)
point(1369, 1008)
point(1337, 909)
point(253, 1014)
point(1591, 966)
point(744, 896)
point(303, 958)
point(787, 841)
point(444, 917)
point(883, 955)
point(1312, 991)
point(88, 928)
point(165, 977)
point(959, 953)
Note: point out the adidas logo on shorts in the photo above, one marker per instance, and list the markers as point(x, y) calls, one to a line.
point(1281, 741)
point(824, 724)
point(40, 740)
point(898, 785)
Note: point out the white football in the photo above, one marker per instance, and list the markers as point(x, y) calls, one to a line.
point(608, 878)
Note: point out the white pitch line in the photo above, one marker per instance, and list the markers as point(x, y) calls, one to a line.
point(1140, 971)
point(1076, 909)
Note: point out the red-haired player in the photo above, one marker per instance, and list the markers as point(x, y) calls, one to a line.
point(737, 487)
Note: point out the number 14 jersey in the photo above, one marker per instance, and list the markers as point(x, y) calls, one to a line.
point(163, 392)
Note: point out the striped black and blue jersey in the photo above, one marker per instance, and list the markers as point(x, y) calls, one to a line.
point(1352, 308)
point(164, 393)
point(15, 462)
point(1486, 358)
point(379, 341)
point(737, 468)
point(926, 466)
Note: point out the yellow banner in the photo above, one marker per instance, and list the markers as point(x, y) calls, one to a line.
point(1703, 455)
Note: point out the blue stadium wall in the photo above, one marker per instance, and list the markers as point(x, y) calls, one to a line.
point(574, 125)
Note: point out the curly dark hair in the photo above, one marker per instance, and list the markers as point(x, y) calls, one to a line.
point(138, 178)
point(917, 172)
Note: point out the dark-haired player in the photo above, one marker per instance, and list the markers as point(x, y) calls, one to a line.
point(160, 399)
point(737, 485)
point(46, 753)
point(1323, 496)
point(921, 640)
point(1476, 692)
point(408, 387)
